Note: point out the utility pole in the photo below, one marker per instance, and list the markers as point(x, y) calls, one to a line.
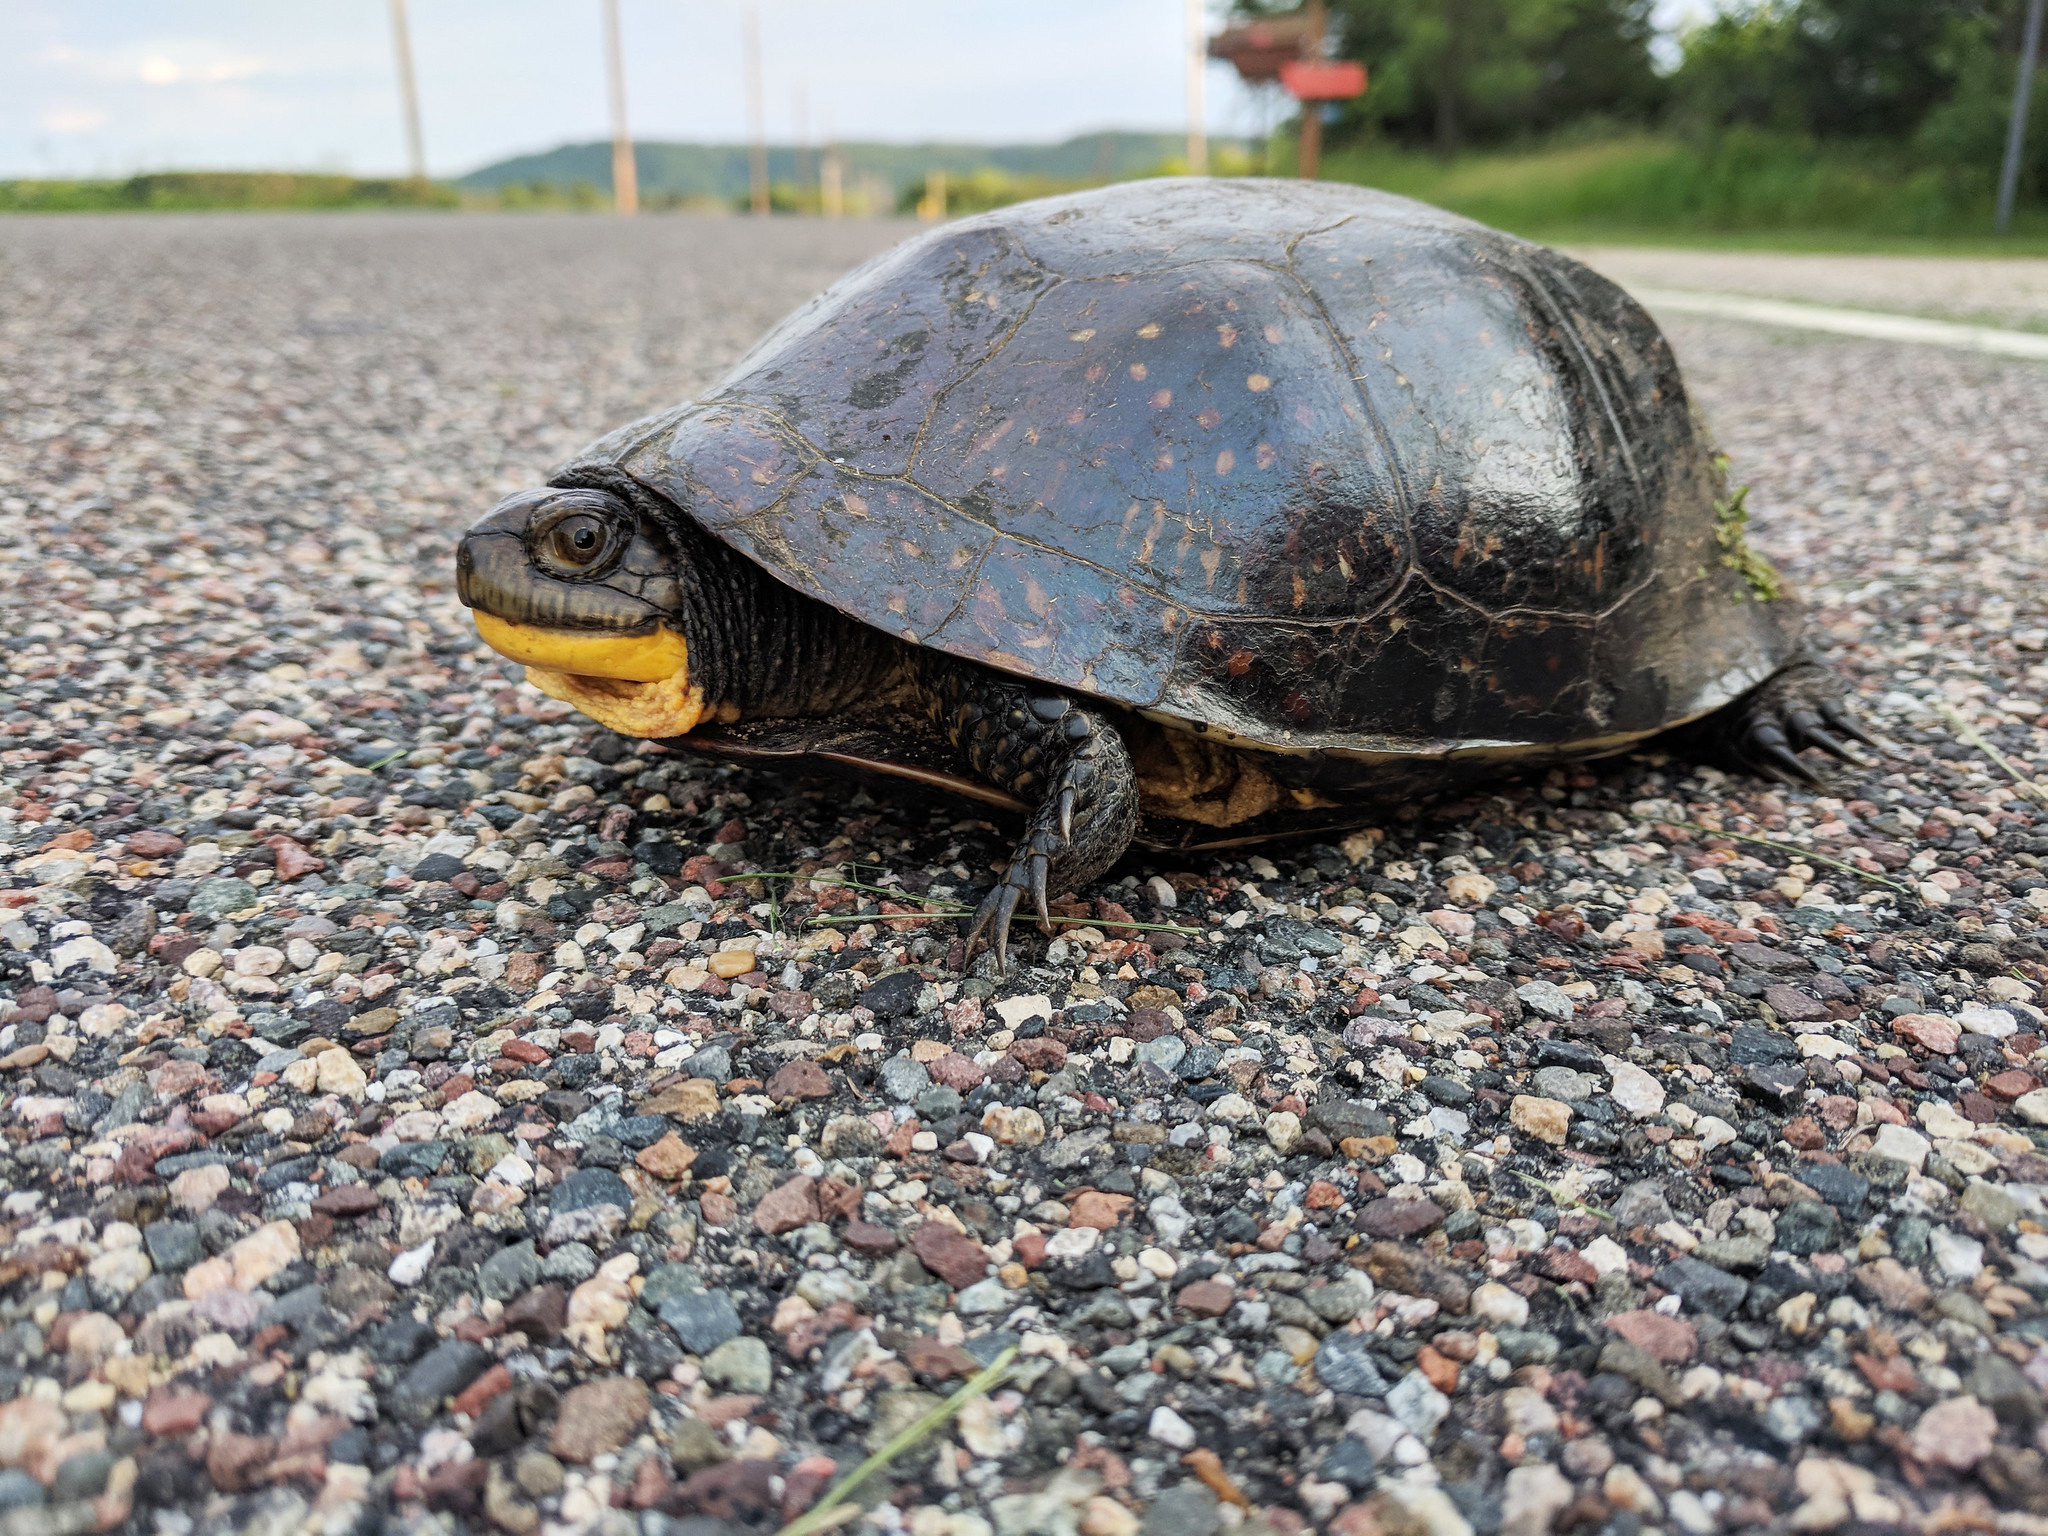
point(757, 113)
point(625, 174)
point(1197, 44)
point(408, 91)
point(800, 152)
point(2016, 131)
point(831, 174)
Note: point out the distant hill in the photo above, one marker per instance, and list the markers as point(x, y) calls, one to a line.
point(719, 171)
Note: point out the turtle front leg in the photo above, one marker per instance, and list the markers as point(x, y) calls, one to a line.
point(1067, 762)
point(1805, 705)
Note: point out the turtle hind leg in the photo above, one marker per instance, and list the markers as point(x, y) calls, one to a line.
point(1805, 705)
point(1067, 762)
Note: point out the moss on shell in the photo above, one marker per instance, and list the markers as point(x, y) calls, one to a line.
point(1731, 532)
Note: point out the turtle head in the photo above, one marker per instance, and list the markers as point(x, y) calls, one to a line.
point(586, 590)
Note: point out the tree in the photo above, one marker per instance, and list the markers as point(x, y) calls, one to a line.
point(1851, 69)
point(1452, 71)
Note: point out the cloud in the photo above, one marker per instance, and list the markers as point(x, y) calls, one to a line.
point(72, 119)
point(159, 69)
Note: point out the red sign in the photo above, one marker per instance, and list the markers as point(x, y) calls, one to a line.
point(1319, 80)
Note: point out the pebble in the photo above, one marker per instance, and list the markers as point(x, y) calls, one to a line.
point(1170, 1429)
point(1545, 1119)
point(1957, 1433)
point(701, 1320)
point(598, 1417)
point(348, 934)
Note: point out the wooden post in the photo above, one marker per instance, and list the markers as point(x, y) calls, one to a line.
point(800, 152)
point(1197, 62)
point(1308, 154)
point(757, 114)
point(625, 173)
point(408, 91)
point(831, 175)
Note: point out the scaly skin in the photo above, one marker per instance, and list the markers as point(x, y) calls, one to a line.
point(1050, 752)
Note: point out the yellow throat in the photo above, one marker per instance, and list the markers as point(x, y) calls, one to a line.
point(637, 685)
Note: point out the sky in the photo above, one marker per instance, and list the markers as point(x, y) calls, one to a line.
point(112, 87)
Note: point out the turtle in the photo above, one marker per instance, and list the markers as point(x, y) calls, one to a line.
point(1196, 512)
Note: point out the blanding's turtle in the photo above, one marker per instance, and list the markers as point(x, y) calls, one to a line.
point(1192, 511)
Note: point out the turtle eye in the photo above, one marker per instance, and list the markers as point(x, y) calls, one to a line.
point(576, 541)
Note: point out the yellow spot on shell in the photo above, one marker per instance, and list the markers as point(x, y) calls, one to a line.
point(1225, 462)
point(856, 505)
point(1227, 334)
point(1138, 372)
point(1080, 335)
point(1273, 334)
point(1152, 533)
point(1161, 399)
point(1258, 383)
point(1149, 329)
point(1212, 557)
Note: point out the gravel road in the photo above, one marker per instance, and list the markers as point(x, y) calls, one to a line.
point(412, 1117)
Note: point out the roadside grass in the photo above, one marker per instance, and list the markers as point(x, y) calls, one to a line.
point(195, 191)
point(1743, 191)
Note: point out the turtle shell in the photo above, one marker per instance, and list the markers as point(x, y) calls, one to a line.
point(1310, 466)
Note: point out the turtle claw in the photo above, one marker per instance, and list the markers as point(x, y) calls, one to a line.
point(1840, 719)
point(1046, 748)
point(1800, 708)
point(1807, 728)
point(992, 918)
point(1025, 879)
point(1781, 762)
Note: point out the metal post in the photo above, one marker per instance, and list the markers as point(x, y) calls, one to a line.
point(408, 90)
point(625, 174)
point(2016, 132)
point(757, 113)
point(1197, 62)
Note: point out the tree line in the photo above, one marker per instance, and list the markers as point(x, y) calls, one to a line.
point(1930, 77)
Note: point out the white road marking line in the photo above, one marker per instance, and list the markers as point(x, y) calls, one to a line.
point(1849, 322)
